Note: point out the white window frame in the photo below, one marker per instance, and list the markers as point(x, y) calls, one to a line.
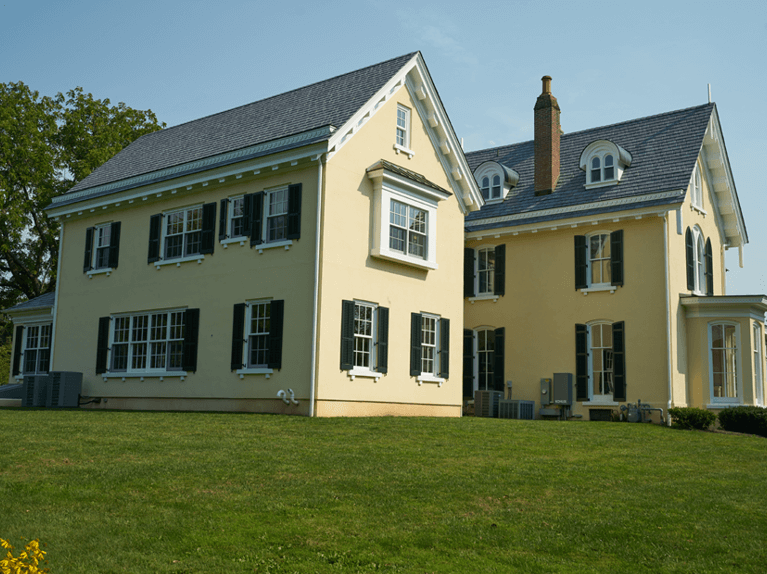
point(699, 260)
point(372, 354)
point(721, 402)
point(490, 272)
point(599, 150)
point(430, 345)
point(133, 345)
point(43, 333)
point(253, 368)
point(164, 259)
point(478, 332)
point(101, 233)
point(604, 398)
point(230, 237)
point(758, 343)
point(601, 285)
point(696, 189)
point(402, 132)
point(496, 192)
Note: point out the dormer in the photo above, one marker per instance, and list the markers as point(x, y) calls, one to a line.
point(495, 180)
point(604, 163)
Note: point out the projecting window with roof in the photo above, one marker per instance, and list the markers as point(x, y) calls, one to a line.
point(604, 163)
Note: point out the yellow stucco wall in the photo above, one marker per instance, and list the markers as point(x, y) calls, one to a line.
point(349, 272)
point(230, 275)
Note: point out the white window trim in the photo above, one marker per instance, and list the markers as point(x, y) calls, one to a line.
point(27, 327)
point(163, 234)
point(242, 240)
point(696, 189)
point(600, 287)
point(475, 349)
point(95, 249)
point(286, 243)
point(369, 372)
point(722, 402)
point(229, 217)
point(486, 294)
point(758, 368)
point(407, 129)
point(105, 271)
point(487, 297)
point(600, 149)
point(601, 400)
point(596, 287)
point(178, 261)
point(254, 370)
point(697, 236)
point(139, 373)
point(362, 372)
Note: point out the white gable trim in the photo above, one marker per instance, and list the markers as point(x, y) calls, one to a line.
point(415, 77)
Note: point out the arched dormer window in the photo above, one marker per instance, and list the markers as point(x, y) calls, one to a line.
point(495, 180)
point(604, 163)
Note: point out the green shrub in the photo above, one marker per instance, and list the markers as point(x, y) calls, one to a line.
point(692, 418)
point(751, 420)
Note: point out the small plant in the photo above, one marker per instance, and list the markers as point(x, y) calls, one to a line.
point(27, 562)
point(692, 418)
point(750, 420)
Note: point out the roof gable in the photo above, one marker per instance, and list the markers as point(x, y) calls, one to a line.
point(664, 149)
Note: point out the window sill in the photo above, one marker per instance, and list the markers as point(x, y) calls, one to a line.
point(255, 371)
point(488, 297)
point(601, 184)
point(598, 288)
point(178, 261)
point(285, 243)
point(147, 375)
point(412, 261)
point(429, 378)
point(106, 270)
point(242, 240)
point(700, 210)
point(356, 372)
point(724, 405)
point(398, 148)
point(600, 403)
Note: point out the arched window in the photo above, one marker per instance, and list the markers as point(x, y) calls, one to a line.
point(604, 163)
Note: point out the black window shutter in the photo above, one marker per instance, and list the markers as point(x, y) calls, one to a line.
point(222, 227)
point(238, 334)
point(499, 360)
point(581, 263)
point(294, 211)
point(619, 361)
point(581, 363)
point(690, 259)
point(102, 345)
point(444, 348)
point(468, 272)
point(247, 201)
point(207, 237)
point(277, 314)
point(382, 356)
point(616, 257)
point(709, 268)
point(155, 225)
point(415, 344)
point(468, 363)
point(191, 335)
point(88, 249)
point(499, 284)
point(17, 350)
point(256, 218)
point(114, 245)
point(347, 335)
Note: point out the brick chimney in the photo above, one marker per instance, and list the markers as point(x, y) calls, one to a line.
point(547, 133)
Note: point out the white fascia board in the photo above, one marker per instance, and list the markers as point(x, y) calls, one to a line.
point(31, 316)
point(725, 306)
point(102, 202)
point(415, 76)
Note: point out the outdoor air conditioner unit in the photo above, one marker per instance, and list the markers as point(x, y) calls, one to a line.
point(516, 410)
point(486, 403)
point(64, 389)
point(35, 391)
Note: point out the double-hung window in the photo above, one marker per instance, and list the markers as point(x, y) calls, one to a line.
point(403, 127)
point(154, 343)
point(408, 229)
point(600, 365)
point(182, 234)
point(599, 260)
point(231, 226)
point(699, 255)
point(257, 337)
point(364, 338)
point(483, 360)
point(37, 349)
point(724, 368)
point(102, 248)
point(484, 271)
point(277, 215)
point(429, 347)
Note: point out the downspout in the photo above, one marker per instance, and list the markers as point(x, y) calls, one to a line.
point(313, 381)
point(669, 356)
point(56, 297)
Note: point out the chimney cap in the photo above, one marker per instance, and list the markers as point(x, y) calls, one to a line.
point(546, 84)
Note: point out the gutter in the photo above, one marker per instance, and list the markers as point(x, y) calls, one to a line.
point(313, 376)
point(56, 297)
point(668, 315)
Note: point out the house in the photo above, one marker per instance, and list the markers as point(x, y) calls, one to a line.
point(293, 255)
point(600, 253)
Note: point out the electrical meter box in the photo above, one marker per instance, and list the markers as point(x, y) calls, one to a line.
point(546, 392)
point(562, 389)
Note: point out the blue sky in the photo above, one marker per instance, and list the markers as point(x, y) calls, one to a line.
point(610, 62)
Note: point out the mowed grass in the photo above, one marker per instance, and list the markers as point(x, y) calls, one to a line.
point(210, 492)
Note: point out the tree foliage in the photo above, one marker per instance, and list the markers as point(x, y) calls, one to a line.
point(47, 145)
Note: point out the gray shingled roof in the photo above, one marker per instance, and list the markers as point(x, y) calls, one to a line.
point(404, 172)
point(664, 149)
point(328, 103)
point(44, 301)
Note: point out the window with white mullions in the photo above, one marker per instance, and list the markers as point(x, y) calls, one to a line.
point(485, 270)
point(364, 336)
point(408, 229)
point(429, 344)
point(183, 233)
point(103, 242)
point(237, 217)
point(258, 339)
point(148, 342)
point(485, 359)
point(599, 258)
point(601, 335)
point(403, 126)
point(724, 361)
point(277, 215)
point(140, 337)
point(37, 349)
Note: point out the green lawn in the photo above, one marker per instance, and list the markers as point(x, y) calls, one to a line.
point(210, 492)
